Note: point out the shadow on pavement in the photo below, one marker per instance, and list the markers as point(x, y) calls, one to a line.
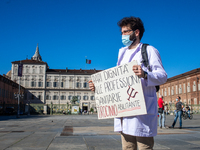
point(3, 118)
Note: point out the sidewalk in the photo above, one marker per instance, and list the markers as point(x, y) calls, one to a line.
point(85, 132)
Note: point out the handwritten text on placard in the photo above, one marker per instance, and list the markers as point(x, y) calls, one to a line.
point(118, 92)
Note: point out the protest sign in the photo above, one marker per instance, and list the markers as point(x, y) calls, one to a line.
point(118, 92)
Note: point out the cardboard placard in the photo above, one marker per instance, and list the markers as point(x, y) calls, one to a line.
point(118, 92)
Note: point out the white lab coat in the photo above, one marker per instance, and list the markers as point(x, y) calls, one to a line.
point(144, 125)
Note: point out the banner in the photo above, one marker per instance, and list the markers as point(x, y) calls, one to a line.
point(118, 92)
point(20, 68)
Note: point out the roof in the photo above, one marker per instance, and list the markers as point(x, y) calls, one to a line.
point(183, 75)
point(68, 71)
point(29, 61)
point(6, 80)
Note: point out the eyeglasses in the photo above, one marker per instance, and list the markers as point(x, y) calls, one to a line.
point(125, 32)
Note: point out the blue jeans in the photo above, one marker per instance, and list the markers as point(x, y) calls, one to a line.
point(162, 119)
point(188, 113)
point(178, 115)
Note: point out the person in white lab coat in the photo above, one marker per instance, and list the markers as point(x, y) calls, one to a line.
point(138, 131)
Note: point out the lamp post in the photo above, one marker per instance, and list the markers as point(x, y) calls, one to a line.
point(170, 107)
point(18, 96)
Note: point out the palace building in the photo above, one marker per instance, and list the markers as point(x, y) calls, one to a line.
point(186, 85)
point(58, 86)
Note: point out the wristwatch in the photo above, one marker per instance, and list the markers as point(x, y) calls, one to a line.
point(145, 75)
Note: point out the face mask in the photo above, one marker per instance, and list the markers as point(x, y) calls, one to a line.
point(126, 39)
point(176, 99)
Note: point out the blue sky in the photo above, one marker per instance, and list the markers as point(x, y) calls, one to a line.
point(69, 30)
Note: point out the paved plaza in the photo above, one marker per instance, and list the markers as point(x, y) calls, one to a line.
point(86, 132)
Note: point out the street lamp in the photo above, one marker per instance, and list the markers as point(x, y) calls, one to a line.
point(18, 96)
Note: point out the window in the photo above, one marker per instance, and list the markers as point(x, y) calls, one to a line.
point(33, 84)
point(40, 84)
point(184, 87)
point(194, 86)
point(61, 84)
point(63, 97)
point(169, 91)
point(172, 90)
point(55, 97)
point(85, 85)
point(55, 84)
point(92, 97)
point(85, 97)
point(69, 97)
point(48, 97)
point(188, 87)
point(48, 84)
point(165, 93)
point(176, 89)
point(78, 84)
point(180, 89)
point(79, 97)
point(199, 86)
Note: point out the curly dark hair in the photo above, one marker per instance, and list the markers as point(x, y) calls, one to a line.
point(134, 23)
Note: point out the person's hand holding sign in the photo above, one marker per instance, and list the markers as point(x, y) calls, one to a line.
point(138, 71)
point(91, 85)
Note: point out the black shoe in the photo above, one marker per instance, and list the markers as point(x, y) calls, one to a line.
point(171, 126)
point(180, 127)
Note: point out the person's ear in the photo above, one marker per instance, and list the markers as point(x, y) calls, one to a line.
point(137, 32)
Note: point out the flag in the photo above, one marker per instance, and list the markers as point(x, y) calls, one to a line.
point(88, 61)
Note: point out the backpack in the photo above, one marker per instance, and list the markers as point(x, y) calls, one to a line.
point(145, 61)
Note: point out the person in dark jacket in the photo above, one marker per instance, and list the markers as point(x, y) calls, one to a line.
point(179, 107)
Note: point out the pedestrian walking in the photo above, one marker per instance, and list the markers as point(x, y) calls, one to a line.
point(161, 112)
point(179, 107)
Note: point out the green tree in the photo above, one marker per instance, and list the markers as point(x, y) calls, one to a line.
point(74, 99)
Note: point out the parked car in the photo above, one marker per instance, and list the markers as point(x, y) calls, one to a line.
point(10, 111)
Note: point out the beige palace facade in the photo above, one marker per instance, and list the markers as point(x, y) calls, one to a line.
point(58, 86)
